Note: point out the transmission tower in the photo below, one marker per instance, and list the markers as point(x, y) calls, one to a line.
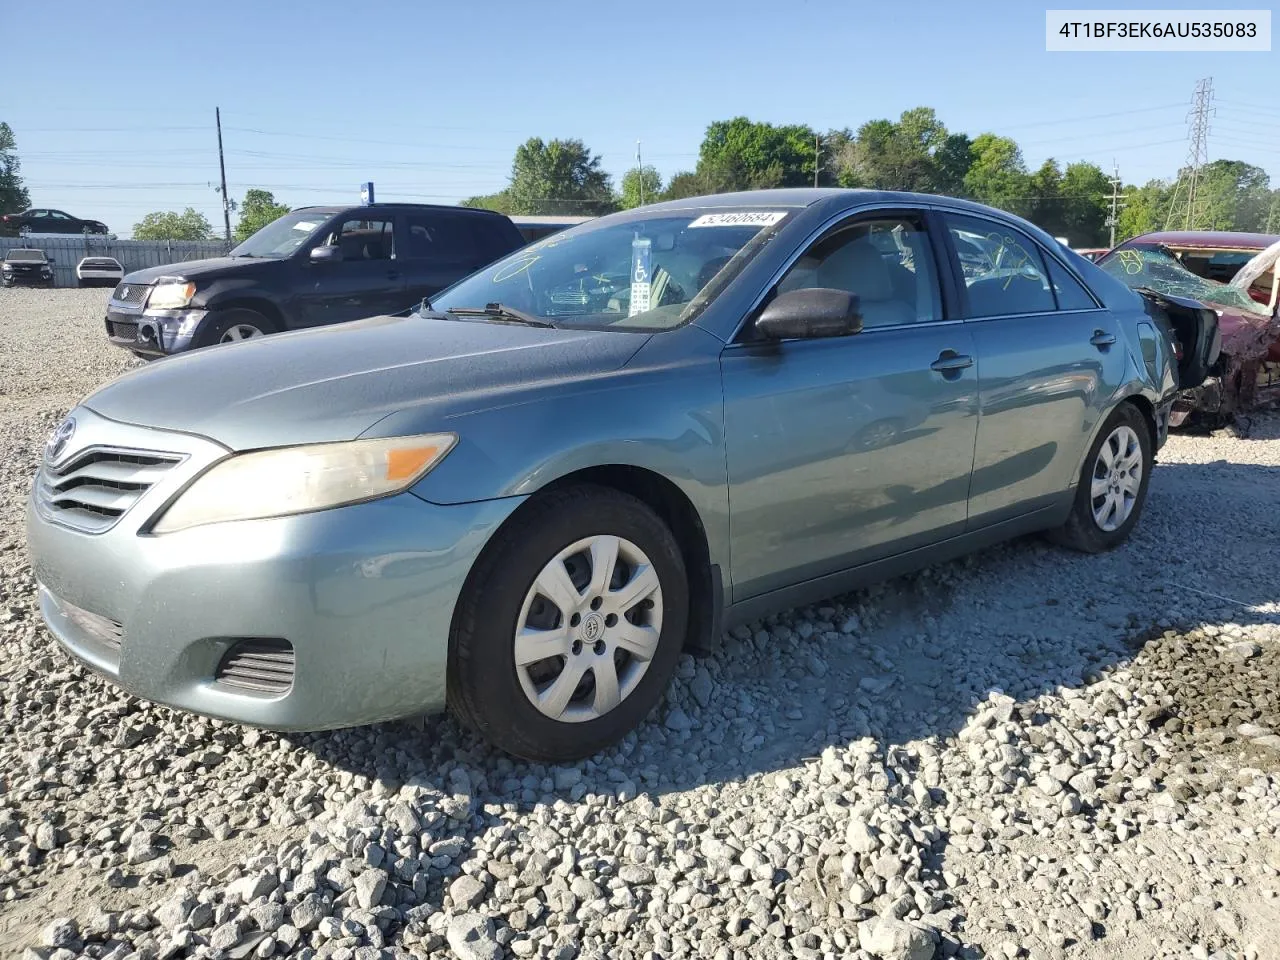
point(1184, 208)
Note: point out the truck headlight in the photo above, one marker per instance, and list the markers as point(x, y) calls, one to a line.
point(171, 294)
point(291, 480)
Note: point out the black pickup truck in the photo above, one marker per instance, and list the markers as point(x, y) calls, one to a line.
point(313, 266)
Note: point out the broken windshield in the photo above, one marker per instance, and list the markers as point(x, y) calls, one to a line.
point(1157, 268)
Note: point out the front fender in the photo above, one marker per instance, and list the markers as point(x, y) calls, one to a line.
point(664, 415)
point(235, 290)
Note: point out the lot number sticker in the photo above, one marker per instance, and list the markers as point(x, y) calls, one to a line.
point(749, 218)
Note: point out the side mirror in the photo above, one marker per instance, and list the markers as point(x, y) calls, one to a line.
point(326, 252)
point(810, 313)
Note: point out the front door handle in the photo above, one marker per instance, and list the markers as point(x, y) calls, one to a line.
point(1101, 338)
point(951, 362)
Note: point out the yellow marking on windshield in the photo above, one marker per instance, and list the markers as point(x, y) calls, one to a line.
point(515, 269)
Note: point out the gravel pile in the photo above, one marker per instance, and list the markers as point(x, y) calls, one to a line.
point(1029, 753)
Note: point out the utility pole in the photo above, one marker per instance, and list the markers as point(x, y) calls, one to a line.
point(1188, 185)
point(640, 172)
point(1116, 205)
point(222, 167)
point(817, 157)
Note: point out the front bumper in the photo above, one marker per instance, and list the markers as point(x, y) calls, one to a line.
point(363, 594)
point(155, 333)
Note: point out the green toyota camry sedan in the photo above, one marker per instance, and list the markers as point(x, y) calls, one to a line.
point(523, 500)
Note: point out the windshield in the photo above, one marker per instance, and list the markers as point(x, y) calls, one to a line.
point(282, 237)
point(1157, 268)
point(650, 274)
point(25, 256)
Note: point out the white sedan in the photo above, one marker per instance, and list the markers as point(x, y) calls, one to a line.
point(99, 271)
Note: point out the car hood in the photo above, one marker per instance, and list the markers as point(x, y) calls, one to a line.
point(334, 383)
point(195, 269)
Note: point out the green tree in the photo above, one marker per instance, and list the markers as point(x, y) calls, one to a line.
point(1232, 195)
point(640, 183)
point(914, 153)
point(997, 176)
point(500, 201)
point(14, 197)
point(1044, 199)
point(550, 178)
point(1146, 208)
point(258, 209)
point(741, 154)
point(1084, 191)
point(168, 225)
point(682, 185)
point(559, 177)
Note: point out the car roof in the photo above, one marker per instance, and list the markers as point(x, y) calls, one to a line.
point(1211, 239)
point(330, 209)
point(798, 197)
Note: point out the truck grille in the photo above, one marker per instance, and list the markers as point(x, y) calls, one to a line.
point(122, 330)
point(259, 666)
point(131, 292)
point(93, 490)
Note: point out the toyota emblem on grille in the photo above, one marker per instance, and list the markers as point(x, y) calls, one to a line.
point(58, 439)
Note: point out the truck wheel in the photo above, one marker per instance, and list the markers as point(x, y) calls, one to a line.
point(569, 626)
point(1113, 485)
point(228, 326)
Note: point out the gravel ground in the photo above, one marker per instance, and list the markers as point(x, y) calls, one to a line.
point(1028, 753)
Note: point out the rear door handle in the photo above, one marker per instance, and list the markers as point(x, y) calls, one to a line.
point(950, 362)
point(1101, 338)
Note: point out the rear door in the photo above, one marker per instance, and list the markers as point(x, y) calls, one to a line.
point(440, 248)
point(366, 282)
point(1051, 359)
point(846, 450)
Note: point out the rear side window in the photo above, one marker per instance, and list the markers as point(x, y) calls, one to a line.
point(1004, 274)
point(443, 237)
point(1071, 295)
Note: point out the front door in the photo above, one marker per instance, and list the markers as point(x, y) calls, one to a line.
point(846, 450)
point(1051, 360)
point(366, 282)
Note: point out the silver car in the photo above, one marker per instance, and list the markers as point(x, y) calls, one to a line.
point(527, 498)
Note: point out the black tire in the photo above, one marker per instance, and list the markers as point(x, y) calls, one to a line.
point(217, 324)
point(1082, 531)
point(484, 690)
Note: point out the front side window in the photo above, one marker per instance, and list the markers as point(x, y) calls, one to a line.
point(886, 263)
point(648, 273)
point(365, 239)
point(1004, 274)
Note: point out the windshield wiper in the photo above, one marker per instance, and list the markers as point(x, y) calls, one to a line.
point(497, 311)
point(427, 312)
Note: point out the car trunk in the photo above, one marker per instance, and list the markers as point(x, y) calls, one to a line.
point(1193, 328)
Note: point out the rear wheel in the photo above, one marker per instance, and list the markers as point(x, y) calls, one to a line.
point(1113, 484)
point(229, 326)
point(570, 625)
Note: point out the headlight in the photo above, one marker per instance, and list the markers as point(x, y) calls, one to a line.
point(169, 295)
point(289, 480)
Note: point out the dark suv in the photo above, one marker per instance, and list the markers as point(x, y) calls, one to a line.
point(26, 265)
point(313, 266)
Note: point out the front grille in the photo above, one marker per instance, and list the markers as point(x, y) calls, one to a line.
point(259, 666)
point(131, 292)
point(93, 490)
point(122, 330)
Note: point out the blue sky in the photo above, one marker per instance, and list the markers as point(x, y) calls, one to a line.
point(113, 104)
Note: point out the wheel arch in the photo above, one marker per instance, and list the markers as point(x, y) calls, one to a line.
point(1135, 399)
point(256, 304)
point(677, 511)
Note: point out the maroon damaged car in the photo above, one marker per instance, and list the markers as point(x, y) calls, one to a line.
point(1235, 274)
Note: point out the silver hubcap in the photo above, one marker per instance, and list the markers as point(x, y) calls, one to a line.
point(1117, 475)
point(241, 331)
point(588, 629)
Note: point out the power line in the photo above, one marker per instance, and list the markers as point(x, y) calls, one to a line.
point(1197, 157)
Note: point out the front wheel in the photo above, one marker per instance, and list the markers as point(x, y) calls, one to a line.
point(229, 326)
point(1113, 484)
point(570, 625)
